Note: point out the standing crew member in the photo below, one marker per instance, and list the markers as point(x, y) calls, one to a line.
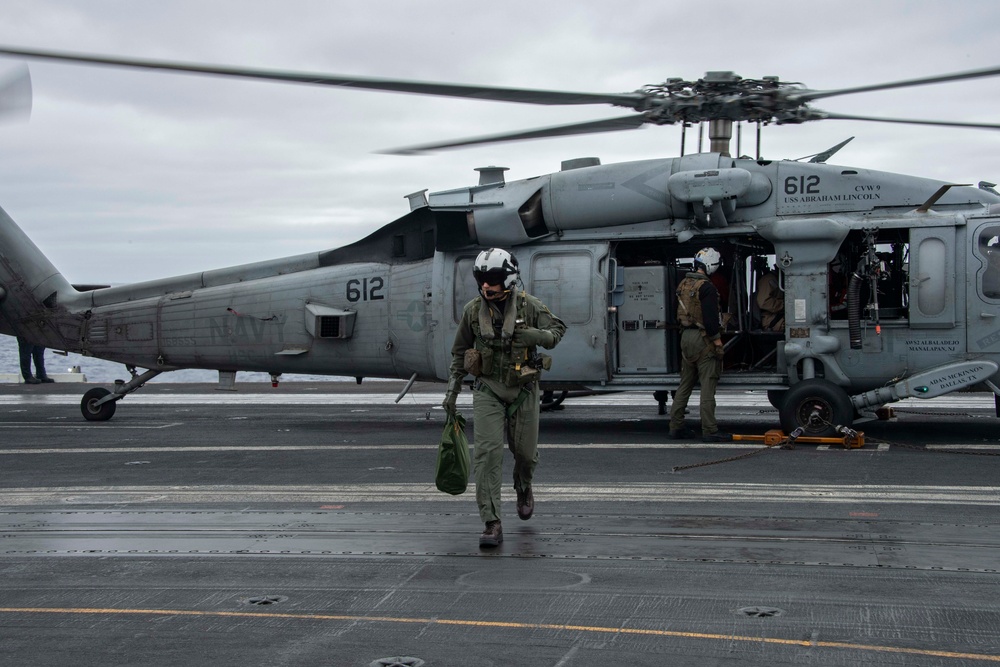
point(496, 342)
point(29, 352)
point(701, 347)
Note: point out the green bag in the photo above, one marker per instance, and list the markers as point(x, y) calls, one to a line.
point(452, 474)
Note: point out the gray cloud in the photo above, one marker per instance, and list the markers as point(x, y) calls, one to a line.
point(124, 175)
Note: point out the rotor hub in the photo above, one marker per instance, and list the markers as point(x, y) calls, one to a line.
point(725, 96)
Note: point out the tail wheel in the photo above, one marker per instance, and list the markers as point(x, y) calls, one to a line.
point(93, 412)
point(817, 406)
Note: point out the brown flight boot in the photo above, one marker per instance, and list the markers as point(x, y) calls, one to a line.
point(525, 503)
point(492, 536)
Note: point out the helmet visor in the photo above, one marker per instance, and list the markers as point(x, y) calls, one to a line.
point(491, 277)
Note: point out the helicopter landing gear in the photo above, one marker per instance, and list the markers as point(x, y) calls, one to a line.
point(94, 410)
point(661, 398)
point(550, 401)
point(98, 404)
point(817, 406)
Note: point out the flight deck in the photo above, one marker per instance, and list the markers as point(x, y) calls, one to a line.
point(300, 525)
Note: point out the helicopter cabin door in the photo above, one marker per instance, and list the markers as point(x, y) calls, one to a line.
point(984, 290)
point(643, 312)
point(568, 280)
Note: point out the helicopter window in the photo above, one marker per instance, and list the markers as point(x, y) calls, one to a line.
point(933, 262)
point(989, 248)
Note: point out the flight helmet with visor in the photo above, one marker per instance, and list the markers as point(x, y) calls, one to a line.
point(496, 267)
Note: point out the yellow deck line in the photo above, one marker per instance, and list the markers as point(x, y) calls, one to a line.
point(508, 625)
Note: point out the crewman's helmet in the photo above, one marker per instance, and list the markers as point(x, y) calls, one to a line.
point(709, 258)
point(496, 267)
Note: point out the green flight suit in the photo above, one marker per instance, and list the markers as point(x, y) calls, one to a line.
point(699, 360)
point(489, 330)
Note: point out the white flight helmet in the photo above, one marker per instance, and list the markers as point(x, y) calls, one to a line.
point(496, 266)
point(708, 258)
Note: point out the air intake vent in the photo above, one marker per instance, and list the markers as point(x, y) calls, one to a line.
point(329, 323)
point(329, 327)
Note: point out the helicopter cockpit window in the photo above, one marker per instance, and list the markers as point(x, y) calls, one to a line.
point(989, 247)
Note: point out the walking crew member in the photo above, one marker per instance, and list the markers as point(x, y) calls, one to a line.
point(497, 343)
point(701, 347)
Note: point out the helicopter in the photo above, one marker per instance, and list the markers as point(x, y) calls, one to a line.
point(890, 283)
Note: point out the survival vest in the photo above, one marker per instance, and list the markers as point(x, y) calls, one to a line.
point(501, 358)
point(688, 303)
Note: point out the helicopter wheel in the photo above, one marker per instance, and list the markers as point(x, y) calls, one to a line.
point(97, 413)
point(817, 406)
point(549, 401)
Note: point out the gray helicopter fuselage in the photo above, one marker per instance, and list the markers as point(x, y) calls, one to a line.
point(603, 246)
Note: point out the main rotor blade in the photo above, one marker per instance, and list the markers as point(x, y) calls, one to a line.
point(912, 121)
point(589, 127)
point(809, 96)
point(522, 95)
point(15, 94)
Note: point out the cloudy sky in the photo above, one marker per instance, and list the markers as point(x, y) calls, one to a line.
point(128, 175)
